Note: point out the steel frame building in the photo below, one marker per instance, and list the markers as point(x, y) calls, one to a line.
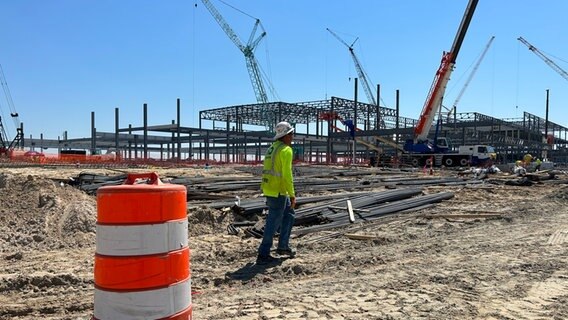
point(241, 133)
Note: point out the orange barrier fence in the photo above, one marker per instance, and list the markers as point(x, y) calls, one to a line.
point(38, 157)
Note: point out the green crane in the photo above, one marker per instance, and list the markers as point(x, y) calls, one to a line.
point(248, 51)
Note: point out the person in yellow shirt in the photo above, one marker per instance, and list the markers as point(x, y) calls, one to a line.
point(278, 188)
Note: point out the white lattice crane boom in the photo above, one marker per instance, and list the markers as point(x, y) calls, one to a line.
point(541, 55)
point(247, 50)
point(473, 71)
point(360, 72)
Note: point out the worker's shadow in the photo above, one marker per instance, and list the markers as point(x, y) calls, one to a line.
point(250, 270)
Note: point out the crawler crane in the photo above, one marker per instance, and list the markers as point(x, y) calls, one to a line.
point(5, 144)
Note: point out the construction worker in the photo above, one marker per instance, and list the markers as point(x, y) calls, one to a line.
point(519, 168)
point(537, 164)
point(527, 159)
point(278, 188)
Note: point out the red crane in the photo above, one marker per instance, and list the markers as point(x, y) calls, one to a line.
point(438, 88)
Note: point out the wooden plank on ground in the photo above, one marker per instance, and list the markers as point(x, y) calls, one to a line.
point(355, 236)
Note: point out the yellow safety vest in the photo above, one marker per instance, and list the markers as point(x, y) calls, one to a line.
point(277, 171)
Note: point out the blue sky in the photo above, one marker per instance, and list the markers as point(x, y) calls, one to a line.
point(65, 58)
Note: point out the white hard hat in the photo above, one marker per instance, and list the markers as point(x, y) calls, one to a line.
point(283, 128)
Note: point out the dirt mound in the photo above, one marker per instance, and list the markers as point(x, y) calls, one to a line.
point(39, 213)
point(204, 220)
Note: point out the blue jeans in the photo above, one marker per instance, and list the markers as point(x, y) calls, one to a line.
point(280, 217)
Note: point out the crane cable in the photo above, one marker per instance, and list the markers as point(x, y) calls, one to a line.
point(367, 75)
point(237, 9)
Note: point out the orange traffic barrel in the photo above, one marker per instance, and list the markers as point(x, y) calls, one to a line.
point(142, 264)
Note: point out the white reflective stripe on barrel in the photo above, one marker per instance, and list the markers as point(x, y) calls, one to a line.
point(150, 304)
point(134, 240)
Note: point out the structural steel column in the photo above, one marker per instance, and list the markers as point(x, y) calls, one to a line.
point(304, 149)
point(207, 146)
point(129, 142)
point(93, 133)
point(310, 159)
point(259, 149)
point(329, 148)
point(190, 145)
point(318, 124)
point(227, 133)
point(22, 142)
point(178, 128)
point(173, 155)
point(378, 108)
point(116, 146)
point(145, 147)
point(355, 121)
point(136, 147)
point(397, 118)
point(245, 147)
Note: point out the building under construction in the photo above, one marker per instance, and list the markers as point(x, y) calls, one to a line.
point(242, 133)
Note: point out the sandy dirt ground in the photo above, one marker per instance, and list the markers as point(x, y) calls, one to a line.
point(509, 265)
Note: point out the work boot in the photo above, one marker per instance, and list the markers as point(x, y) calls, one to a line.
point(264, 260)
point(291, 253)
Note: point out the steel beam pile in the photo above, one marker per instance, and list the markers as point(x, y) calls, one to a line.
point(249, 207)
point(365, 207)
point(328, 212)
point(377, 211)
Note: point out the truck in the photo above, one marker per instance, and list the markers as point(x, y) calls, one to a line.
point(422, 151)
point(473, 155)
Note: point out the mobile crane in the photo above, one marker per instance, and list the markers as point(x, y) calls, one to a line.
point(420, 150)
